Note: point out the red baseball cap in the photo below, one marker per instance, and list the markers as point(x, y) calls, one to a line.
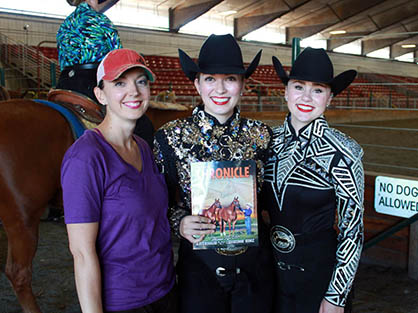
point(118, 61)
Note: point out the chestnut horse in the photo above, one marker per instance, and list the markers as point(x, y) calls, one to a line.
point(212, 211)
point(33, 141)
point(229, 215)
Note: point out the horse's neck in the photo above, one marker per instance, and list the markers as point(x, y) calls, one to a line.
point(231, 207)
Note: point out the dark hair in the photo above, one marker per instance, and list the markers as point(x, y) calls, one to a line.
point(74, 2)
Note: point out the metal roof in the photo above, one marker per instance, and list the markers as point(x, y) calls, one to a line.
point(376, 23)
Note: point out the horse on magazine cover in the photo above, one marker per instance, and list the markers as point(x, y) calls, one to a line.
point(229, 215)
point(212, 212)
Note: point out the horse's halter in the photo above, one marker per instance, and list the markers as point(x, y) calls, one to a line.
point(236, 203)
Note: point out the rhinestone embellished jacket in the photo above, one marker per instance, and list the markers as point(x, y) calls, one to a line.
point(311, 178)
point(201, 137)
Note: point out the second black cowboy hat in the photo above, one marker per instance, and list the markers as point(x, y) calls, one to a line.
point(314, 65)
point(220, 54)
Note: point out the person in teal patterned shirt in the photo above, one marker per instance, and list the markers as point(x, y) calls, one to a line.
point(83, 40)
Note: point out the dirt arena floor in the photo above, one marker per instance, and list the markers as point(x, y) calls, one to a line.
point(377, 289)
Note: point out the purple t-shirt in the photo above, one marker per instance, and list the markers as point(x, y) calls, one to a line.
point(133, 242)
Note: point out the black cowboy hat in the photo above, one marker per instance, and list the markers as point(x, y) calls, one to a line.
point(219, 54)
point(314, 65)
point(108, 5)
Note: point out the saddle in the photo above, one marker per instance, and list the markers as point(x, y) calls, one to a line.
point(82, 106)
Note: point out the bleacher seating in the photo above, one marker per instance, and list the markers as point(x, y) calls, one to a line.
point(264, 82)
point(170, 77)
point(49, 52)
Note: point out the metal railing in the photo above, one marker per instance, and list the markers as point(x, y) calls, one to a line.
point(28, 61)
point(381, 102)
point(388, 147)
point(390, 231)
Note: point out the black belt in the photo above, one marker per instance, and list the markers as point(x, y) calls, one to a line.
point(300, 240)
point(284, 241)
point(86, 66)
point(307, 238)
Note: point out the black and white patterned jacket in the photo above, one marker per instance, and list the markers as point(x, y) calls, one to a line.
point(312, 177)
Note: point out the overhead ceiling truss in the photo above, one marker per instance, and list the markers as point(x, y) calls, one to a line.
point(376, 23)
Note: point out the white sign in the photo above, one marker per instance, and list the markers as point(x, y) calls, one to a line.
point(395, 196)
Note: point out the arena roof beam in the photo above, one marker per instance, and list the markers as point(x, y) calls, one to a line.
point(358, 25)
point(262, 13)
point(327, 16)
point(187, 11)
point(390, 35)
point(372, 21)
point(396, 50)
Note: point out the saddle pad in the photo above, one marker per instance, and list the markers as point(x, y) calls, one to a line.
point(77, 127)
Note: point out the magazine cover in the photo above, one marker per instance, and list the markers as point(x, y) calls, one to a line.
point(225, 192)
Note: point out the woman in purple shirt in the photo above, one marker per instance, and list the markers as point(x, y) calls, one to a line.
point(115, 201)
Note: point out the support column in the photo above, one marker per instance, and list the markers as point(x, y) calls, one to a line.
point(53, 74)
point(413, 251)
point(2, 79)
point(295, 48)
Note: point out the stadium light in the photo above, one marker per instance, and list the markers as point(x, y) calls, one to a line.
point(409, 46)
point(337, 32)
point(228, 12)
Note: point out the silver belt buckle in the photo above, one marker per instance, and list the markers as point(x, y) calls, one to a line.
point(282, 239)
point(220, 271)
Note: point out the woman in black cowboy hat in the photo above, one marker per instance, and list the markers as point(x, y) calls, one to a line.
point(224, 281)
point(314, 172)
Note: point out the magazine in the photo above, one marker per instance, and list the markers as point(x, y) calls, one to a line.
point(225, 192)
